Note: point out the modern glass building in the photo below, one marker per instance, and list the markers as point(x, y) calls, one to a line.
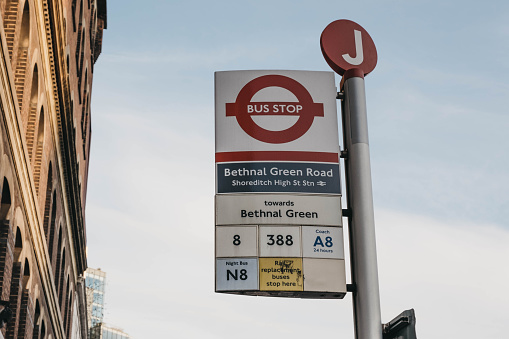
point(113, 333)
point(95, 282)
point(106, 332)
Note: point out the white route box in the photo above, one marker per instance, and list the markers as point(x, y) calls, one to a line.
point(236, 274)
point(280, 241)
point(236, 241)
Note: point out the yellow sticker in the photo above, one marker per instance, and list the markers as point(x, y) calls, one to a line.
point(281, 274)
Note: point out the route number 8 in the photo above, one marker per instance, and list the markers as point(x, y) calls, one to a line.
point(236, 240)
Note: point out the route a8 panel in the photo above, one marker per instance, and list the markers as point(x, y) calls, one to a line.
point(280, 260)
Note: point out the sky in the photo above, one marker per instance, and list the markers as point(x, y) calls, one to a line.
point(438, 124)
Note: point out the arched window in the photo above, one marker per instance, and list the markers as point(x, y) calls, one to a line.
point(91, 28)
point(43, 330)
point(65, 299)
point(47, 201)
point(80, 37)
point(39, 150)
point(86, 118)
point(37, 316)
point(61, 283)
point(85, 88)
point(5, 200)
point(17, 281)
point(32, 111)
point(68, 316)
point(26, 273)
point(84, 109)
point(25, 27)
point(10, 21)
point(82, 47)
point(18, 245)
point(15, 295)
point(52, 243)
point(52, 227)
point(59, 258)
point(37, 312)
point(73, 10)
point(25, 305)
point(22, 55)
point(80, 17)
point(80, 56)
point(6, 237)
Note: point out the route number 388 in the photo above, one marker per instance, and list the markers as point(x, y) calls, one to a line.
point(279, 240)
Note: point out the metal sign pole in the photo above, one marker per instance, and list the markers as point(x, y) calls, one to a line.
point(366, 296)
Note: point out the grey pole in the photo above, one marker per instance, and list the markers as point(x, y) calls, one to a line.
point(366, 295)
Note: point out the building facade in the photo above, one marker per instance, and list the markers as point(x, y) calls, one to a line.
point(48, 49)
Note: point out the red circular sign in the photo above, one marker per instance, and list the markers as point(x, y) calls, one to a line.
point(346, 45)
point(243, 109)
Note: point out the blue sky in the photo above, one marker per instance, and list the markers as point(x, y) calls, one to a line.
point(437, 122)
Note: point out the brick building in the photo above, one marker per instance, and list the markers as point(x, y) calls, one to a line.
point(47, 53)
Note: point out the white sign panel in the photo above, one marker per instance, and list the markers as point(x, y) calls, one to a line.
point(278, 196)
point(275, 209)
point(325, 275)
point(282, 241)
point(232, 241)
point(322, 242)
point(236, 274)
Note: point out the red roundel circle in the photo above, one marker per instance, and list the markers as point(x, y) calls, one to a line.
point(346, 45)
point(307, 109)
